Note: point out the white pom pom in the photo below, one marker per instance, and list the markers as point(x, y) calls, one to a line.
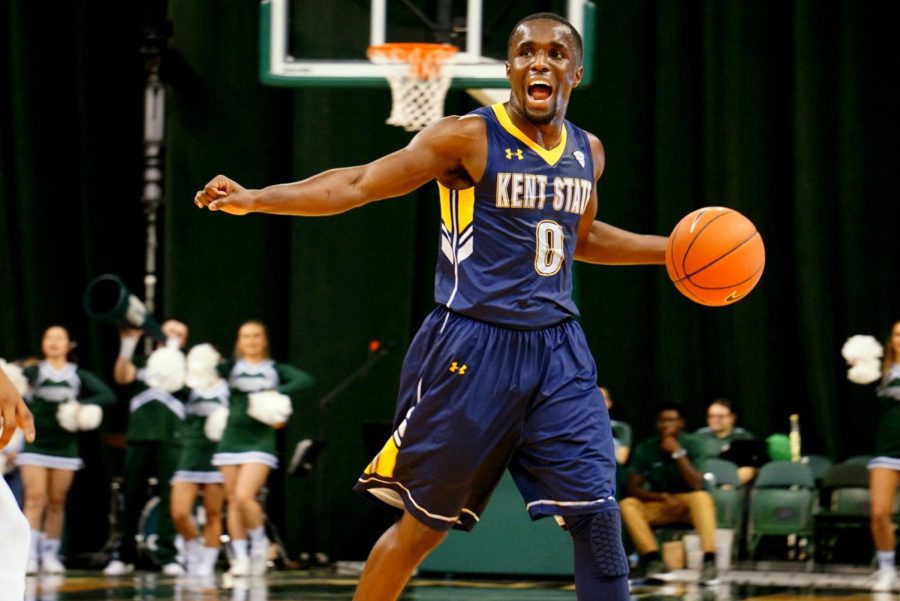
point(865, 371)
point(214, 427)
point(67, 415)
point(16, 375)
point(861, 347)
point(201, 367)
point(89, 417)
point(269, 407)
point(165, 369)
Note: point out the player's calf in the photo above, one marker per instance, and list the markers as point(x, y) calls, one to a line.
point(601, 566)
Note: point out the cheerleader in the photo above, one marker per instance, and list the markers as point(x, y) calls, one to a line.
point(206, 406)
point(64, 399)
point(246, 454)
point(155, 414)
point(884, 469)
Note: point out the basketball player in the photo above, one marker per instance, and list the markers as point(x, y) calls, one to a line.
point(14, 529)
point(500, 374)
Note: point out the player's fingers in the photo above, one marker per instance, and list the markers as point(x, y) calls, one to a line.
point(6, 417)
point(199, 199)
point(216, 188)
point(26, 422)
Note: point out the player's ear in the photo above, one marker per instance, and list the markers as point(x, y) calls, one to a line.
point(579, 73)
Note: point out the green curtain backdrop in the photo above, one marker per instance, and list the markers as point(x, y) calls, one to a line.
point(783, 110)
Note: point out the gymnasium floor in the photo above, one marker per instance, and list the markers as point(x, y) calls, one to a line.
point(322, 586)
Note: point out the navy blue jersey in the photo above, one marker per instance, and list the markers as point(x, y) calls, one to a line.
point(508, 243)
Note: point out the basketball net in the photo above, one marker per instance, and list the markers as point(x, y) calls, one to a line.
point(417, 93)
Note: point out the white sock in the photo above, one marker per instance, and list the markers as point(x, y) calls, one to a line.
point(239, 547)
point(885, 560)
point(257, 536)
point(210, 555)
point(192, 550)
point(50, 547)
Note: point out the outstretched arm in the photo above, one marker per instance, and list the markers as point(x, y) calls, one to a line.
point(13, 412)
point(442, 150)
point(600, 242)
point(609, 245)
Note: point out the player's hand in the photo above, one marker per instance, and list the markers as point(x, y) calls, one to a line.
point(224, 194)
point(15, 413)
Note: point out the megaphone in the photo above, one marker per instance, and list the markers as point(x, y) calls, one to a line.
point(107, 299)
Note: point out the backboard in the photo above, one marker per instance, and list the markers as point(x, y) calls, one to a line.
point(293, 54)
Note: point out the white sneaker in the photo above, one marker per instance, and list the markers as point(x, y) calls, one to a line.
point(885, 579)
point(240, 566)
point(50, 564)
point(118, 568)
point(259, 560)
point(173, 569)
point(206, 563)
point(32, 566)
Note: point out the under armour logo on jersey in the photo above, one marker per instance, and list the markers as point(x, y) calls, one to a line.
point(456, 368)
point(510, 154)
point(579, 156)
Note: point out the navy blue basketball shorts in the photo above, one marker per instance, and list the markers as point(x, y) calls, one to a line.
point(476, 399)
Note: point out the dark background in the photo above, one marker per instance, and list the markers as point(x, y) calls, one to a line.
point(784, 111)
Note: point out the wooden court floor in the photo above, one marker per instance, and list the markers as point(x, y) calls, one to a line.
point(321, 586)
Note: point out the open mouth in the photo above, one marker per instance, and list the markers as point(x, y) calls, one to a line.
point(540, 90)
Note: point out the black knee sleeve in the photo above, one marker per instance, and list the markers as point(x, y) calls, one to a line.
point(600, 535)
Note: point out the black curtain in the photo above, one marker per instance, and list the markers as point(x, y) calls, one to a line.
point(784, 111)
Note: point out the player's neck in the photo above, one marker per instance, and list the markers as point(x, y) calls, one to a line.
point(546, 135)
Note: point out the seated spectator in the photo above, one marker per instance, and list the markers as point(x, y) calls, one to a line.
point(720, 431)
point(621, 431)
point(665, 486)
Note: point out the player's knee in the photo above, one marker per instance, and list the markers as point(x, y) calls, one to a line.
point(880, 516)
point(35, 499)
point(600, 535)
point(243, 500)
point(56, 502)
point(704, 500)
point(418, 537)
point(180, 515)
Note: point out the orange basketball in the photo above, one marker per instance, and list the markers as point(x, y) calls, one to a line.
point(715, 256)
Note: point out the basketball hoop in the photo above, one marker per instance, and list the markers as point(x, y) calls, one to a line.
point(417, 93)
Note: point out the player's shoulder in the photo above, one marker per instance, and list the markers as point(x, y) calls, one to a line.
point(597, 152)
point(594, 141)
point(457, 128)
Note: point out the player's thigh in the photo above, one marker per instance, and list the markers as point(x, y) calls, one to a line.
point(250, 479)
point(567, 454)
point(35, 481)
point(883, 484)
point(213, 497)
point(182, 497)
point(230, 474)
point(59, 483)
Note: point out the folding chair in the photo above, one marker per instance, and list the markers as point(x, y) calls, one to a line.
point(781, 504)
